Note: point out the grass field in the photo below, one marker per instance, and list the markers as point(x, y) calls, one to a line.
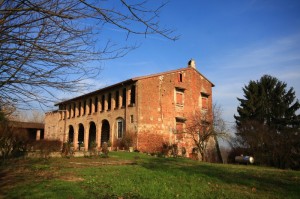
point(134, 175)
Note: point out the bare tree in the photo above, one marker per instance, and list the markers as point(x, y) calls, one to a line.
point(220, 129)
point(204, 129)
point(46, 45)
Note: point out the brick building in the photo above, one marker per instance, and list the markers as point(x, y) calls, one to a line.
point(151, 107)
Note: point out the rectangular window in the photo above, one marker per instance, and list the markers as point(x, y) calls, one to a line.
point(204, 100)
point(96, 104)
point(79, 109)
point(109, 102)
point(74, 109)
point(180, 77)
point(117, 100)
point(103, 103)
point(90, 106)
point(131, 119)
point(132, 95)
point(179, 97)
point(180, 128)
point(124, 97)
point(120, 129)
point(84, 107)
point(70, 108)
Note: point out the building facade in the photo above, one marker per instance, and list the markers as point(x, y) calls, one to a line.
point(153, 108)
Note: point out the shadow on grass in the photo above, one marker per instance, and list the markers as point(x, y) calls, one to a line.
point(261, 178)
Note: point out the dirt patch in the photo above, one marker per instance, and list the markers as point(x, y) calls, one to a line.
point(71, 178)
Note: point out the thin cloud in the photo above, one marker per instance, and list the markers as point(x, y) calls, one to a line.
point(280, 58)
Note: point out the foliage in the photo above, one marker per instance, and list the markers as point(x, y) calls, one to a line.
point(105, 150)
point(127, 140)
point(268, 124)
point(67, 150)
point(169, 149)
point(150, 177)
point(93, 148)
point(109, 143)
point(46, 44)
point(13, 142)
point(2, 116)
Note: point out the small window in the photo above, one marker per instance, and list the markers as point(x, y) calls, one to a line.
point(90, 106)
point(79, 109)
point(84, 107)
point(120, 128)
point(132, 95)
point(70, 108)
point(96, 104)
point(117, 99)
point(109, 102)
point(74, 109)
point(131, 119)
point(180, 77)
point(103, 103)
point(124, 97)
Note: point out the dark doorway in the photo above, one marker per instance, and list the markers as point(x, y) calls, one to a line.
point(71, 134)
point(42, 134)
point(92, 134)
point(80, 135)
point(105, 131)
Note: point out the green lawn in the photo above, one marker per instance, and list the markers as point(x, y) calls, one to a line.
point(134, 175)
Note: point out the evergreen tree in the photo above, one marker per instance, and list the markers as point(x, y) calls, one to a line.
point(268, 122)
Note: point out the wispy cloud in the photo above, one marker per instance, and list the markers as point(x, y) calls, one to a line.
point(279, 57)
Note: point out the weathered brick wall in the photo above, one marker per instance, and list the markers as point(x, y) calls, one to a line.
point(152, 117)
point(157, 109)
point(58, 128)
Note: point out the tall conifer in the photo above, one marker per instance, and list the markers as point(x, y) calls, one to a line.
point(268, 122)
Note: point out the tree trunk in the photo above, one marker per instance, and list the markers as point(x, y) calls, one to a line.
point(219, 155)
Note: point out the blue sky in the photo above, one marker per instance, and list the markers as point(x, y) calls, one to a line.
point(232, 43)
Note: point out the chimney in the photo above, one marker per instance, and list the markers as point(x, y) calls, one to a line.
point(192, 64)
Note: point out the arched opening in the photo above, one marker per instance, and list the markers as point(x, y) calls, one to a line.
point(80, 135)
point(105, 131)
point(92, 135)
point(71, 134)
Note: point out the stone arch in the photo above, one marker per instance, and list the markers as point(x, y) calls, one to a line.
point(105, 131)
point(92, 133)
point(71, 134)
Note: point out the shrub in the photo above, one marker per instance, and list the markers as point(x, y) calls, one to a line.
point(127, 140)
point(67, 151)
point(105, 150)
point(169, 149)
point(47, 146)
point(183, 151)
point(93, 148)
point(13, 142)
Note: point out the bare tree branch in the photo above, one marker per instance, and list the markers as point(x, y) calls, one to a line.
point(46, 45)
